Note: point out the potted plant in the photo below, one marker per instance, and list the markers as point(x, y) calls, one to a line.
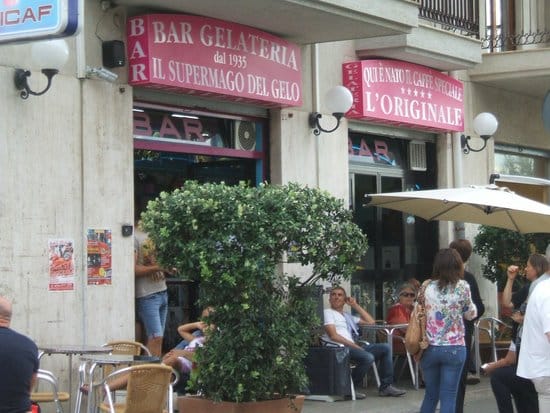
point(232, 239)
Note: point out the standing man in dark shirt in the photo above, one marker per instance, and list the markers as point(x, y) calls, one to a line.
point(464, 249)
point(18, 365)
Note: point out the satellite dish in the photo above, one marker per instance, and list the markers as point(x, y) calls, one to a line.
point(546, 111)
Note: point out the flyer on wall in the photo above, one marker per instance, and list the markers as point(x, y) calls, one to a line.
point(99, 256)
point(61, 265)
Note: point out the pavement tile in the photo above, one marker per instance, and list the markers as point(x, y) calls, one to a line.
point(476, 395)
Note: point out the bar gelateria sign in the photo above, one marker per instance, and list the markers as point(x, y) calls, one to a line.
point(210, 57)
point(404, 94)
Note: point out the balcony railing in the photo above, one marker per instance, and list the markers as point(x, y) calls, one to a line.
point(455, 15)
point(508, 29)
point(500, 42)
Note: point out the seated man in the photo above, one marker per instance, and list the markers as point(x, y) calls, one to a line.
point(507, 385)
point(341, 327)
point(18, 365)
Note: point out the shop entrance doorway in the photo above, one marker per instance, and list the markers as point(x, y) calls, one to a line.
point(173, 145)
point(156, 171)
point(401, 246)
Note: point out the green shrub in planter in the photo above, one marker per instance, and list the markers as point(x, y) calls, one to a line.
point(232, 239)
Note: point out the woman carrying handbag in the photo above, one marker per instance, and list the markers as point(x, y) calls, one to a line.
point(447, 300)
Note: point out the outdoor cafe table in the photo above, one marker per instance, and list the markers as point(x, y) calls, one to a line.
point(70, 350)
point(386, 328)
point(90, 362)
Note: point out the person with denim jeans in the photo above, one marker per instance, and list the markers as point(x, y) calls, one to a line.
point(341, 327)
point(151, 292)
point(447, 301)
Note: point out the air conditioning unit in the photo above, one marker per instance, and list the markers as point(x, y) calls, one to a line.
point(417, 156)
point(245, 135)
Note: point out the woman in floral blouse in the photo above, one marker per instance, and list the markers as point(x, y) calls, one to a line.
point(447, 301)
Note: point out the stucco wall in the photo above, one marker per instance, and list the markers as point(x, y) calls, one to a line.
point(66, 165)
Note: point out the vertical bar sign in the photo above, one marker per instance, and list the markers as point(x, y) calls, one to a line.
point(98, 255)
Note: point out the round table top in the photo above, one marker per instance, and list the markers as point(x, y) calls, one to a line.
point(383, 326)
point(118, 359)
point(74, 349)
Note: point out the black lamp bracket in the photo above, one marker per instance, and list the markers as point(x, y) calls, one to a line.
point(465, 144)
point(315, 124)
point(21, 81)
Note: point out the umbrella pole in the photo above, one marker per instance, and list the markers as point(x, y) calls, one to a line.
point(459, 232)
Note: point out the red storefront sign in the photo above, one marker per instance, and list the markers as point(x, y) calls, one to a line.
point(404, 94)
point(210, 57)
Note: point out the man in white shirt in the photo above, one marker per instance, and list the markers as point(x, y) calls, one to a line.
point(534, 357)
point(341, 327)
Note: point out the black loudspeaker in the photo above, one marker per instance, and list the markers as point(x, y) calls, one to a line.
point(113, 53)
point(328, 371)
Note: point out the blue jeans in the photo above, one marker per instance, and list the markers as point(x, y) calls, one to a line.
point(364, 358)
point(152, 311)
point(441, 369)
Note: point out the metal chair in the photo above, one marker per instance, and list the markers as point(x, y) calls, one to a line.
point(148, 389)
point(413, 366)
point(487, 331)
point(327, 342)
point(53, 396)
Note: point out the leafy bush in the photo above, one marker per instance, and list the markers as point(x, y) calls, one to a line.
point(502, 247)
point(232, 239)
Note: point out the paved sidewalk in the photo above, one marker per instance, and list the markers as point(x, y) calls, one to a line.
point(479, 398)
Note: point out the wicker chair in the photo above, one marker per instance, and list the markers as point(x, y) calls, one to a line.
point(132, 348)
point(125, 347)
point(53, 396)
point(148, 389)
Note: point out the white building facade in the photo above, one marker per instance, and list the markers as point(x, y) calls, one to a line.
point(76, 160)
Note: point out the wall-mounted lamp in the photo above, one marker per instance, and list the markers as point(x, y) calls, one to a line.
point(485, 125)
point(338, 101)
point(51, 55)
point(101, 73)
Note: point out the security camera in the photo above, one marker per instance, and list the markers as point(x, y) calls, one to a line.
point(101, 73)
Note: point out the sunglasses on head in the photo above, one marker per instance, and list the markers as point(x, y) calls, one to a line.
point(408, 295)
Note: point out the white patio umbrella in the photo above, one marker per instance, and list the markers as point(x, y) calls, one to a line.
point(487, 205)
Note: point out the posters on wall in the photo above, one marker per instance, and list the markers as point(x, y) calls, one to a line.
point(61, 265)
point(99, 256)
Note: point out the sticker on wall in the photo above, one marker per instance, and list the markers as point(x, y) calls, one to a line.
point(61, 265)
point(99, 256)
